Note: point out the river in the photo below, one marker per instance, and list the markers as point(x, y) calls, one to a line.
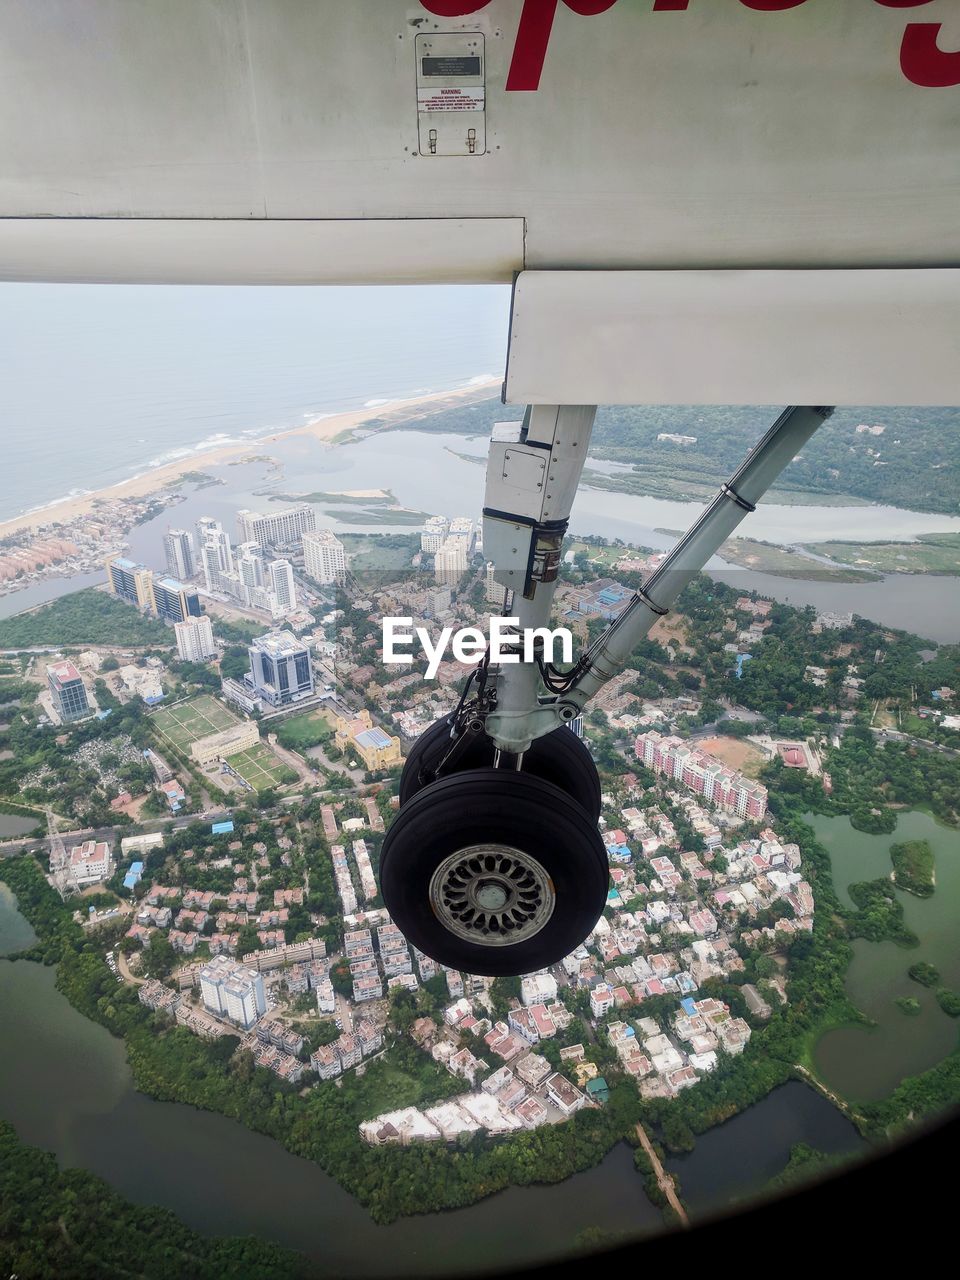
point(15, 824)
point(66, 1087)
point(425, 472)
point(736, 1159)
point(862, 1063)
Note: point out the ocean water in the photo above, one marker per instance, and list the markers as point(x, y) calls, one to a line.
point(100, 382)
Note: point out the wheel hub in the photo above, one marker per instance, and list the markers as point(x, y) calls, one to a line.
point(493, 895)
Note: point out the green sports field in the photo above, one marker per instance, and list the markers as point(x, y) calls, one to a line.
point(189, 721)
point(261, 768)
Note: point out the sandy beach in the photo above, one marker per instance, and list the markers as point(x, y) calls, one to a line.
point(393, 414)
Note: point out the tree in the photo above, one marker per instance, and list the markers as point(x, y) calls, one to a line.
point(235, 662)
point(159, 957)
point(341, 978)
point(247, 940)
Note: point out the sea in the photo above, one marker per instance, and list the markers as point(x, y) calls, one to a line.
point(99, 383)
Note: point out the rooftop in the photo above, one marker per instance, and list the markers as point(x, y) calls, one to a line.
point(279, 644)
point(63, 671)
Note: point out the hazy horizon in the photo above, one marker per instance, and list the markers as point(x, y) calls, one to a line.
point(100, 382)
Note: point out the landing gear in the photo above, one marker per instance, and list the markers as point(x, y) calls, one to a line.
point(494, 872)
point(558, 757)
point(494, 864)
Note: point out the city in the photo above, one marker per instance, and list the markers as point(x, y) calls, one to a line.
point(231, 777)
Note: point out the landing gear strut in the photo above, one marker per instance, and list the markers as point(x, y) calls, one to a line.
point(494, 864)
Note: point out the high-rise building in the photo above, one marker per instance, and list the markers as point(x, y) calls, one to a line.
point(433, 535)
point(174, 602)
point(251, 566)
point(283, 589)
point(169, 599)
point(324, 557)
point(451, 561)
point(132, 582)
point(496, 592)
point(215, 552)
point(461, 527)
point(275, 528)
point(195, 642)
point(439, 602)
point(178, 549)
point(67, 691)
point(232, 991)
point(280, 669)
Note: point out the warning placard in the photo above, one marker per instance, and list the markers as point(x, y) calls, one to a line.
point(452, 99)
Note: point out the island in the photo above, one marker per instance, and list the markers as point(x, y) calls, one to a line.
point(913, 867)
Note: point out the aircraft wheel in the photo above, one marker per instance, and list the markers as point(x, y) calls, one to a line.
point(558, 757)
point(493, 872)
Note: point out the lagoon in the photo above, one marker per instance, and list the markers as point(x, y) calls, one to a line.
point(867, 1063)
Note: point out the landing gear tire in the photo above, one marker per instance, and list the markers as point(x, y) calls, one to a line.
point(558, 757)
point(493, 872)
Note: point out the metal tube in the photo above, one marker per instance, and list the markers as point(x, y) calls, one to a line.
point(736, 499)
point(562, 433)
point(516, 720)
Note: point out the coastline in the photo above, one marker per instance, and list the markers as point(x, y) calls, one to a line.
point(323, 429)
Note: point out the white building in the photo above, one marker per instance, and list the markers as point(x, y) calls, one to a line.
point(276, 528)
point(439, 602)
point(538, 988)
point(451, 560)
point(215, 553)
point(179, 553)
point(496, 594)
point(670, 437)
point(368, 884)
point(602, 1000)
point(462, 528)
point(326, 997)
point(324, 557)
point(433, 535)
point(243, 999)
point(232, 991)
point(142, 843)
point(835, 621)
point(89, 863)
point(195, 642)
point(283, 589)
point(252, 571)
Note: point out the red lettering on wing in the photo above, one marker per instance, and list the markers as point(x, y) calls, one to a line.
point(533, 34)
point(771, 6)
point(923, 61)
point(453, 8)
point(533, 37)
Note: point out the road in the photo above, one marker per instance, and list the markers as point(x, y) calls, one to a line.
point(894, 735)
point(840, 1103)
point(344, 1013)
point(125, 971)
point(664, 1179)
point(11, 848)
